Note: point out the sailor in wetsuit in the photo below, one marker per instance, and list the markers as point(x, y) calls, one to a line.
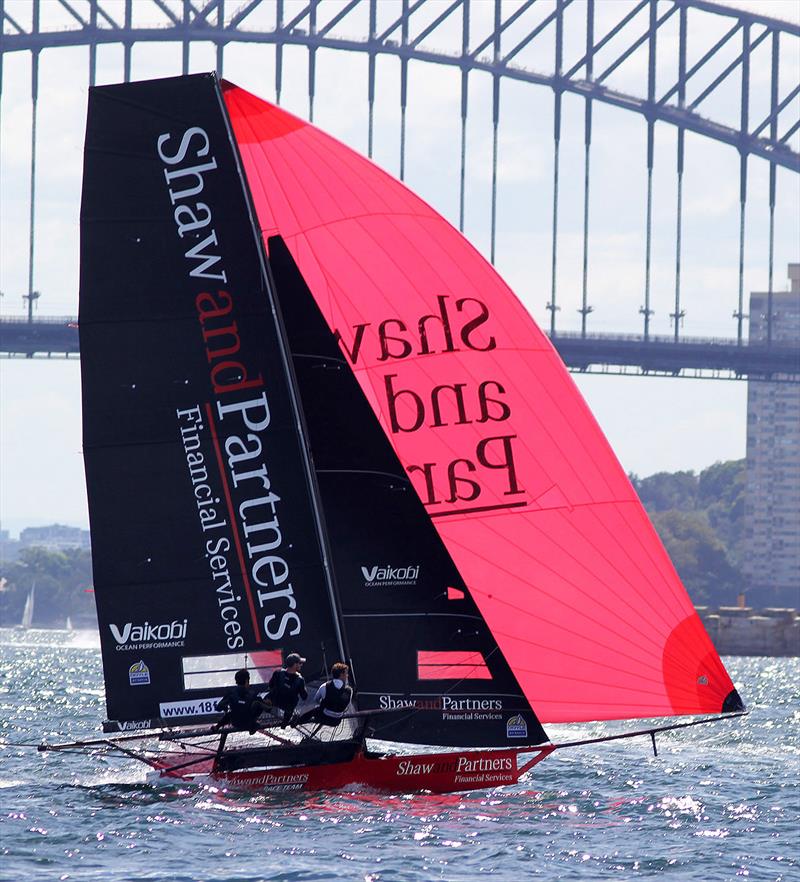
point(241, 703)
point(332, 699)
point(287, 686)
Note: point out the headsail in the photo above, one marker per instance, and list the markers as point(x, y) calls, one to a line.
point(525, 492)
point(417, 639)
point(205, 549)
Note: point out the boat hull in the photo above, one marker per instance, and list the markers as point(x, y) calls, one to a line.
point(434, 772)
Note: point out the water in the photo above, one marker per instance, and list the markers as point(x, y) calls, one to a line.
point(719, 803)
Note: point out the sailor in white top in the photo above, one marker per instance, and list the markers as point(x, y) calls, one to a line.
point(332, 698)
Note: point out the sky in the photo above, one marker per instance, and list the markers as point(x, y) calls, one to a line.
point(654, 424)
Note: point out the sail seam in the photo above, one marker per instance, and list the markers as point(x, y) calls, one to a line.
point(579, 613)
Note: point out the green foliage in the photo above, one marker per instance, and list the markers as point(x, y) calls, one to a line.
point(721, 491)
point(61, 579)
point(699, 556)
point(722, 483)
point(700, 519)
point(667, 490)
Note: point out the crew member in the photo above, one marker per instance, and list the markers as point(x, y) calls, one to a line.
point(287, 686)
point(332, 698)
point(241, 703)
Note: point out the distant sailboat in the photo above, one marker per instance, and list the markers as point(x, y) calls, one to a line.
point(68, 624)
point(27, 612)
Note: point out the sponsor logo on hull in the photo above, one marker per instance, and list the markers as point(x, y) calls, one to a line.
point(270, 781)
point(492, 778)
point(464, 769)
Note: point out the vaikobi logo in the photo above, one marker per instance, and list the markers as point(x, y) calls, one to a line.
point(382, 576)
point(133, 725)
point(133, 636)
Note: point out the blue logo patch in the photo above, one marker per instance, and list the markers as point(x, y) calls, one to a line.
point(139, 674)
point(516, 727)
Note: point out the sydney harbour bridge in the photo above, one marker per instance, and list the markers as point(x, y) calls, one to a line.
point(688, 76)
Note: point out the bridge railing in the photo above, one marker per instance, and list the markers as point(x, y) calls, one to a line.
point(669, 339)
point(69, 320)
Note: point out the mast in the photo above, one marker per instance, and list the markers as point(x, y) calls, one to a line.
point(294, 396)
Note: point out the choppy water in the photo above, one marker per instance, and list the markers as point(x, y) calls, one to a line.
point(719, 803)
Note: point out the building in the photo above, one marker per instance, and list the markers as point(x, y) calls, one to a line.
point(56, 537)
point(9, 548)
point(772, 500)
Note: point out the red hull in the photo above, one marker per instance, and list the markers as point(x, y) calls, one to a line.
point(435, 772)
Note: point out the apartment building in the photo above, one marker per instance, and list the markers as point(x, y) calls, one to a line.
point(772, 501)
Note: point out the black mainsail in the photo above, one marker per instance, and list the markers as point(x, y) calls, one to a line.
point(206, 547)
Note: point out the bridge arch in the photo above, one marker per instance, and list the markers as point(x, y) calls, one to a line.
point(568, 47)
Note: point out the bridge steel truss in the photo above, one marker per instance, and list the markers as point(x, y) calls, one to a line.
point(496, 45)
point(57, 336)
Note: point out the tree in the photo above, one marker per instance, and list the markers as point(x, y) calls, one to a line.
point(665, 490)
point(722, 483)
point(721, 491)
point(704, 532)
point(699, 556)
point(61, 579)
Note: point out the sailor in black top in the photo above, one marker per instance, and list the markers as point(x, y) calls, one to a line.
point(332, 698)
point(287, 686)
point(241, 703)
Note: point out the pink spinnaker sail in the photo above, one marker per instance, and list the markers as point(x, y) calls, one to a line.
point(517, 476)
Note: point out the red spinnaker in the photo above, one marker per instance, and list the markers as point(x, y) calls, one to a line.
point(523, 487)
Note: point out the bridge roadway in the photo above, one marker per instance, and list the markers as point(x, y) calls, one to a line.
point(57, 337)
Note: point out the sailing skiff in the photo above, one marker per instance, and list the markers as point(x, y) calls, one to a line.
point(316, 420)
